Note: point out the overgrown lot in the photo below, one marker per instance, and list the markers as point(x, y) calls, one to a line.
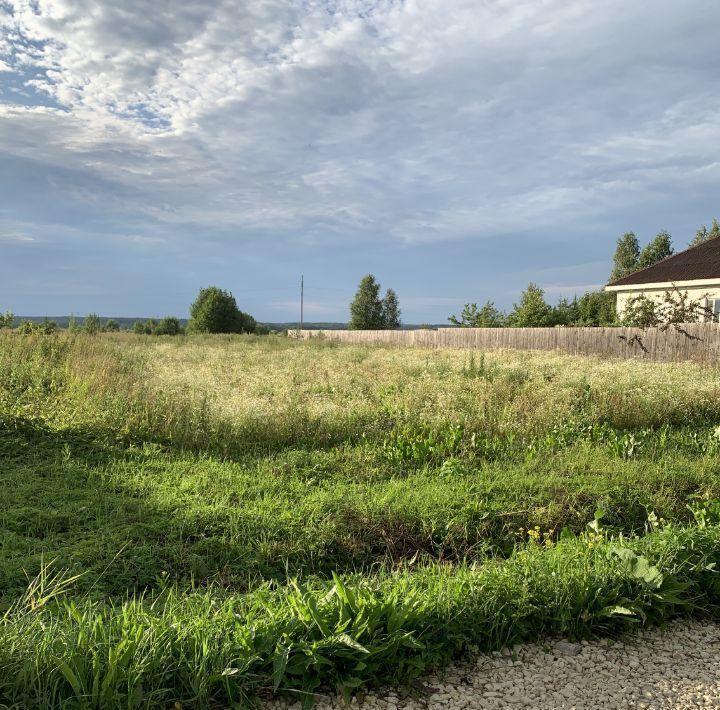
point(202, 520)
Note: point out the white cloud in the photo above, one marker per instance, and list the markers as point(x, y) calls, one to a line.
point(417, 121)
point(16, 238)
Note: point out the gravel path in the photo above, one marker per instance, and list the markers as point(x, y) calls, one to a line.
point(678, 668)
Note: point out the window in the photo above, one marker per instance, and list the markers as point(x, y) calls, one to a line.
point(716, 310)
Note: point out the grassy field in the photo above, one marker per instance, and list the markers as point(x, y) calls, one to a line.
point(206, 520)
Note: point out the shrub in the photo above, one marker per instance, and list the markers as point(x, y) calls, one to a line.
point(26, 327)
point(168, 326)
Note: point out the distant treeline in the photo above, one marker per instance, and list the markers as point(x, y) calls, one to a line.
point(215, 310)
point(124, 322)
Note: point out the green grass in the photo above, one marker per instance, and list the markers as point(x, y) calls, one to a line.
point(214, 488)
point(139, 515)
point(207, 649)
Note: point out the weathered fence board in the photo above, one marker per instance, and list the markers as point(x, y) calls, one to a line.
point(694, 341)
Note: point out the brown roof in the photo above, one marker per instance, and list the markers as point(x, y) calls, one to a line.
point(699, 262)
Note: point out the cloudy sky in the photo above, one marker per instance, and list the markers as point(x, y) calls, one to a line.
point(458, 149)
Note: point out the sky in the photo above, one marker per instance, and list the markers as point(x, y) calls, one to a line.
point(457, 149)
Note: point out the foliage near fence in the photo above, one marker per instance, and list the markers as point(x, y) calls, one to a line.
point(694, 341)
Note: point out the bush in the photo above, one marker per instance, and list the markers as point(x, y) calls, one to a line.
point(26, 327)
point(168, 326)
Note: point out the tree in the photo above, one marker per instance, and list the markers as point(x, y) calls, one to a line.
point(91, 324)
point(150, 325)
point(6, 320)
point(532, 311)
point(656, 250)
point(215, 311)
point(138, 327)
point(714, 230)
point(111, 326)
point(473, 317)
point(566, 312)
point(597, 308)
point(627, 256)
point(366, 310)
point(703, 235)
point(391, 311)
point(168, 326)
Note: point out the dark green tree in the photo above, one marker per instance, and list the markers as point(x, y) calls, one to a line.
point(391, 311)
point(215, 311)
point(6, 320)
point(597, 308)
point(473, 317)
point(138, 327)
point(532, 311)
point(168, 326)
point(111, 326)
point(656, 250)
point(627, 256)
point(150, 326)
point(566, 312)
point(366, 310)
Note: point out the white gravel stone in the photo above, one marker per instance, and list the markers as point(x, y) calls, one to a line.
point(675, 669)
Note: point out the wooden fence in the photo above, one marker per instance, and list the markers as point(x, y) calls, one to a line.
point(695, 341)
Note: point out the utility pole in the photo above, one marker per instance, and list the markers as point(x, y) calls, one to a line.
point(302, 300)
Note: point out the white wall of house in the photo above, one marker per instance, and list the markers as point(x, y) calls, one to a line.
point(706, 291)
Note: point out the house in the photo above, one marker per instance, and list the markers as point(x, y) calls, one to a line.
point(695, 271)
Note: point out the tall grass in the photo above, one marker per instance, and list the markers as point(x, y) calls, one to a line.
point(236, 395)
